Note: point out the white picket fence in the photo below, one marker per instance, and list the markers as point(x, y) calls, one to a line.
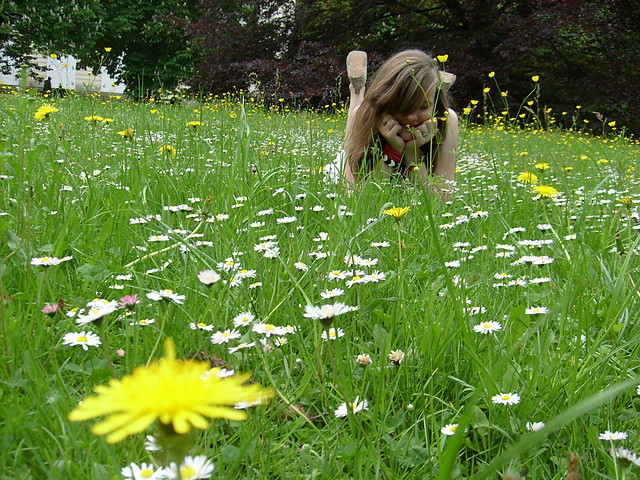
point(64, 74)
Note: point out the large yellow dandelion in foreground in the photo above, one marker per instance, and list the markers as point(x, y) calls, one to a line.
point(181, 394)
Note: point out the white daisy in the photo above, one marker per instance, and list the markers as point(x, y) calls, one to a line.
point(142, 472)
point(612, 436)
point(166, 294)
point(333, 334)
point(536, 310)
point(208, 277)
point(487, 327)
point(84, 339)
point(244, 319)
point(224, 337)
point(336, 292)
point(355, 407)
point(506, 398)
point(192, 468)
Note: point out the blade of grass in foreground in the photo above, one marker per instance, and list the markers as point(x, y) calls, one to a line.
point(530, 440)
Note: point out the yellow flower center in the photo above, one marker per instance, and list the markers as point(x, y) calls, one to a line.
point(453, 428)
point(146, 473)
point(269, 327)
point(81, 338)
point(202, 324)
point(506, 397)
point(486, 325)
point(187, 472)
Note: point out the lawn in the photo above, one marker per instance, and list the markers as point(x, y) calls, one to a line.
point(492, 336)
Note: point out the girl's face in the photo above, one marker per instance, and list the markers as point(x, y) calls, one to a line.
point(417, 117)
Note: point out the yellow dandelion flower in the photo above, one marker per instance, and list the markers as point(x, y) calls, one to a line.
point(396, 212)
point(128, 133)
point(546, 191)
point(194, 124)
point(178, 393)
point(93, 118)
point(528, 178)
point(624, 200)
point(603, 160)
point(543, 166)
point(44, 111)
point(169, 150)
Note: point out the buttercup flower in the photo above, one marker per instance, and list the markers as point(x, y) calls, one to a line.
point(167, 390)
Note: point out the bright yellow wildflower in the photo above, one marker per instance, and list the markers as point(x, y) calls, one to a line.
point(396, 212)
point(612, 123)
point(492, 74)
point(107, 49)
point(179, 393)
point(128, 133)
point(93, 118)
point(624, 200)
point(44, 111)
point(194, 124)
point(543, 166)
point(546, 191)
point(528, 178)
point(486, 89)
point(535, 78)
point(169, 150)
point(53, 55)
point(443, 58)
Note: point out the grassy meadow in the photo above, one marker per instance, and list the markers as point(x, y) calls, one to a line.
point(492, 336)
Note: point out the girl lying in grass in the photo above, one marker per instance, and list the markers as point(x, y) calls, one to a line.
point(402, 123)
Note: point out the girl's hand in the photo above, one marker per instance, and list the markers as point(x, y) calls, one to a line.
point(391, 129)
point(416, 138)
point(420, 135)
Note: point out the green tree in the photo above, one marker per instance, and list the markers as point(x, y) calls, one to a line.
point(148, 50)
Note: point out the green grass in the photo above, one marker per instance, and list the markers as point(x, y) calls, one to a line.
point(71, 187)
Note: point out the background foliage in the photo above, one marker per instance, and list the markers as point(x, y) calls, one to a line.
point(583, 50)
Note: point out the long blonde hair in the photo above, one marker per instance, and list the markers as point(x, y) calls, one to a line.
point(399, 86)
